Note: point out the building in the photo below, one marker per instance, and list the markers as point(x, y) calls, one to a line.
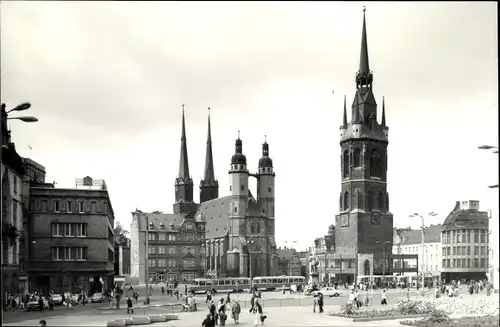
point(409, 242)
point(364, 225)
point(122, 260)
point(289, 263)
point(232, 235)
point(14, 276)
point(324, 250)
point(71, 237)
point(174, 250)
point(464, 237)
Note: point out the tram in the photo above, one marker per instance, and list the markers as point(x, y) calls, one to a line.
point(229, 284)
point(271, 283)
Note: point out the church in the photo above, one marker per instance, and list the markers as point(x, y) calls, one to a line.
point(239, 228)
point(229, 236)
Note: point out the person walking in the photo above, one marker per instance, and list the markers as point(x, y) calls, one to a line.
point(320, 302)
point(384, 298)
point(259, 317)
point(315, 302)
point(235, 312)
point(208, 321)
point(43, 323)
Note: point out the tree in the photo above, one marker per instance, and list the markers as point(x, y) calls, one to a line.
point(121, 235)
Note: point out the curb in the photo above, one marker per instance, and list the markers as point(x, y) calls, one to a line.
point(142, 307)
point(140, 320)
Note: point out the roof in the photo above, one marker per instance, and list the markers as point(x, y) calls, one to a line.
point(414, 236)
point(285, 253)
point(466, 219)
point(216, 215)
point(163, 219)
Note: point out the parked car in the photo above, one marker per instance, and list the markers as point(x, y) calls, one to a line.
point(328, 291)
point(97, 298)
point(33, 303)
point(57, 298)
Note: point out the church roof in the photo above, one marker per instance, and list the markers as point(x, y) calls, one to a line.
point(216, 215)
point(376, 134)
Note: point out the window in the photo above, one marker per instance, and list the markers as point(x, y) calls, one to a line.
point(345, 162)
point(459, 250)
point(454, 264)
point(171, 250)
point(171, 237)
point(70, 253)
point(469, 233)
point(476, 250)
point(189, 227)
point(464, 236)
point(357, 157)
point(69, 206)
point(162, 250)
point(476, 236)
point(162, 263)
point(483, 236)
point(151, 236)
point(476, 263)
point(454, 250)
point(444, 251)
point(458, 236)
point(15, 184)
point(381, 200)
point(464, 263)
point(152, 263)
point(448, 263)
point(57, 253)
point(235, 209)
point(269, 189)
point(81, 229)
point(188, 263)
point(57, 205)
point(483, 250)
point(81, 253)
point(468, 250)
point(459, 263)
point(468, 263)
point(448, 251)
point(444, 263)
point(375, 164)
point(172, 263)
point(162, 236)
point(369, 201)
point(151, 250)
point(80, 207)
point(111, 255)
point(242, 187)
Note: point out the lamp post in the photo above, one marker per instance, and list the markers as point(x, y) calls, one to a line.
point(146, 232)
point(250, 263)
point(290, 260)
point(423, 246)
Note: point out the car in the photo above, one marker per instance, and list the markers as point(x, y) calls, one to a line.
point(97, 298)
point(33, 303)
point(328, 291)
point(57, 298)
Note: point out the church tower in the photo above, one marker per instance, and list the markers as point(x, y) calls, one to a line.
point(364, 225)
point(209, 186)
point(184, 183)
point(238, 175)
point(265, 187)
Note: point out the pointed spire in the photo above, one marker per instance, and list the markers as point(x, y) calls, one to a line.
point(183, 163)
point(209, 161)
point(383, 111)
point(364, 76)
point(265, 147)
point(344, 122)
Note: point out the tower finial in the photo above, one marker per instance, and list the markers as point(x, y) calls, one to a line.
point(238, 134)
point(344, 121)
point(183, 164)
point(383, 111)
point(364, 76)
point(265, 138)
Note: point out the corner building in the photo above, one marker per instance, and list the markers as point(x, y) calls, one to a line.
point(364, 225)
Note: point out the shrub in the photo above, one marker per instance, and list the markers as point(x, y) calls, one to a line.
point(415, 307)
point(440, 321)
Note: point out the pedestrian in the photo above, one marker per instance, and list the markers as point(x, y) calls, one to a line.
point(51, 303)
point(384, 298)
point(320, 302)
point(185, 289)
point(259, 317)
point(228, 298)
point(162, 290)
point(221, 310)
point(208, 321)
point(235, 312)
point(209, 297)
point(213, 311)
point(177, 293)
point(130, 307)
point(43, 323)
point(315, 302)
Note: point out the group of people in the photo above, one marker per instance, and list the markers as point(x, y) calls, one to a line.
point(217, 312)
point(452, 288)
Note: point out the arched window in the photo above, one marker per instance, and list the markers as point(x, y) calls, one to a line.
point(369, 201)
point(381, 200)
point(374, 164)
point(367, 268)
point(345, 160)
point(359, 196)
point(346, 200)
point(357, 157)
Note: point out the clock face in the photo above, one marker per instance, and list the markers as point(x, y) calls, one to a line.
point(344, 220)
point(375, 219)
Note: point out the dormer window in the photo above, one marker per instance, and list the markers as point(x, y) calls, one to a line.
point(151, 226)
point(162, 226)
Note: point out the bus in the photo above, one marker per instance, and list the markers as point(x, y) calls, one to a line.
point(271, 283)
point(228, 284)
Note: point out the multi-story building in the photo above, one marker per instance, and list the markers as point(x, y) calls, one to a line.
point(464, 236)
point(122, 259)
point(324, 253)
point(427, 261)
point(174, 250)
point(289, 263)
point(11, 174)
point(71, 237)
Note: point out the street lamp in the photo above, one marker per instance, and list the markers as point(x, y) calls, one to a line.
point(250, 263)
point(290, 261)
point(147, 300)
point(431, 214)
point(488, 147)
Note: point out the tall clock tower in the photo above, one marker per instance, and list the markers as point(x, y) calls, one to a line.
point(364, 224)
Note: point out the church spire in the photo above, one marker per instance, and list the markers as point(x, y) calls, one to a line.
point(183, 163)
point(344, 122)
point(364, 77)
point(209, 160)
point(209, 187)
point(383, 111)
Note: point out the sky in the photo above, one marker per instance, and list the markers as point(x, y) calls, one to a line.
point(107, 81)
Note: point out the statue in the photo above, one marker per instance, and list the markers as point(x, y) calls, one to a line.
point(314, 261)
